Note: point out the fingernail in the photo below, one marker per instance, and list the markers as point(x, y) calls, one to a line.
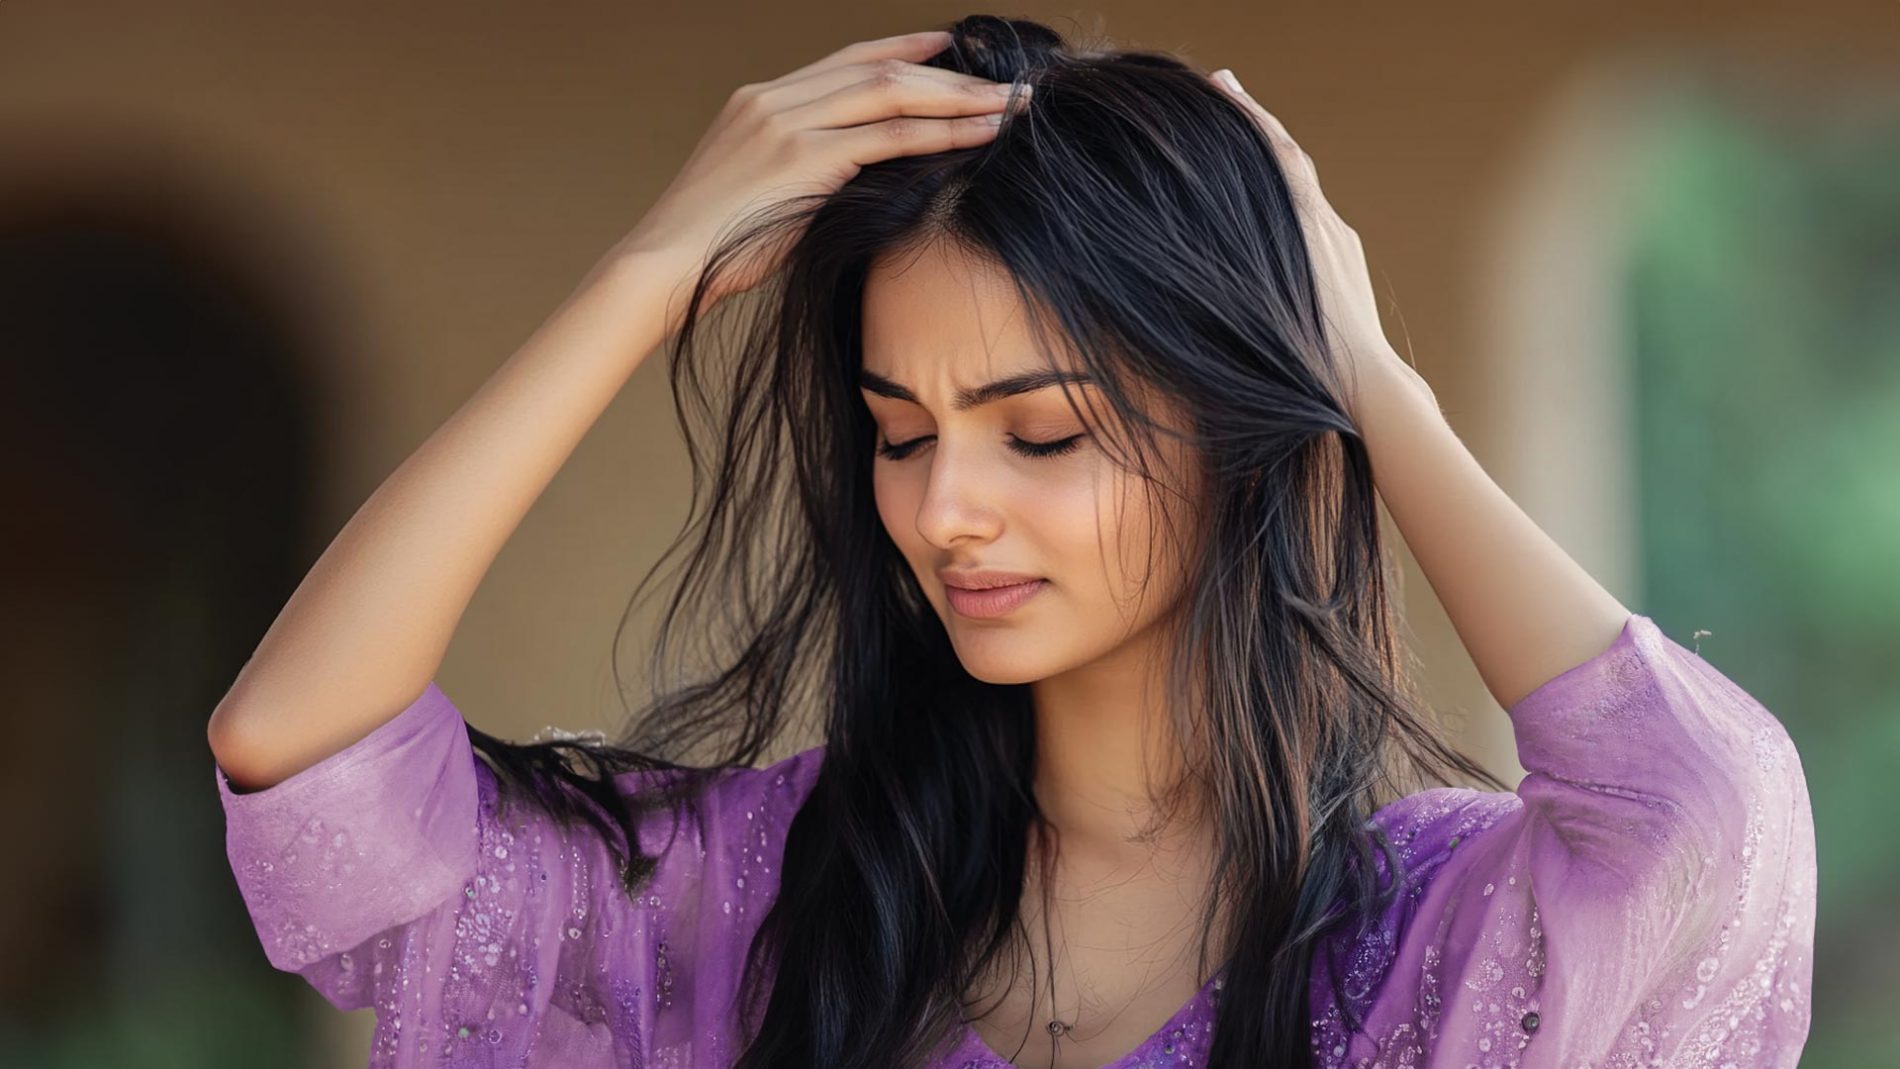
point(1227, 76)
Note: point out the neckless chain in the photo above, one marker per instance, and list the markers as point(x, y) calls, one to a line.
point(1057, 1028)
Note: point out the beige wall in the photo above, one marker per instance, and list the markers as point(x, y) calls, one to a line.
point(430, 179)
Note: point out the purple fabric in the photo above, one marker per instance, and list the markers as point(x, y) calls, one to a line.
point(1645, 897)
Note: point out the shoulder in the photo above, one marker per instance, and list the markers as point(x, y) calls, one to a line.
point(789, 777)
point(1370, 965)
point(1433, 835)
point(716, 872)
point(1427, 827)
point(736, 821)
point(777, 785)
point(1430, 834)
point(1440, 813)
point(768, 796)
point(786, 779)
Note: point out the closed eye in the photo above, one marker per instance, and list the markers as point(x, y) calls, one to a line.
point(900, 450)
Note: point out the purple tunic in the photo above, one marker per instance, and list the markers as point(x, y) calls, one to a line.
point(1645, 897)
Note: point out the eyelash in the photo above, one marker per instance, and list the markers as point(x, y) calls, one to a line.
point(900, 450)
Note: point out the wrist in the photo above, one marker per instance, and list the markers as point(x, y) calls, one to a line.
point(1383, 378)
point(647, 271)
point(632, 256)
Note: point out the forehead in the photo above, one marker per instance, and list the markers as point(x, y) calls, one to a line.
point(939, 315)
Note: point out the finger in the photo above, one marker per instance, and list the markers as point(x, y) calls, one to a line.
point(909, 135)
point(885, 93)
point(1226, 80)
point(915, 47)
point(912, 80)
point(1276, 131)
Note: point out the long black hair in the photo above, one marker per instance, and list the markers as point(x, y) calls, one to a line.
point(1146, 223)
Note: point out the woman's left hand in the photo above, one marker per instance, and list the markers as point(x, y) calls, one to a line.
point(1339, 261)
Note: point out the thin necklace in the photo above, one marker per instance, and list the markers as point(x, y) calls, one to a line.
point(1057, 1028)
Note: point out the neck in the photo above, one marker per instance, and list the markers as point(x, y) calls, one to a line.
point(1106, 755)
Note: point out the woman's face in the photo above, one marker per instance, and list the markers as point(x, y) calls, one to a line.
point(1006, 481)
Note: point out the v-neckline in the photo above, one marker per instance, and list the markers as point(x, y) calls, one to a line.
point(975, 1053)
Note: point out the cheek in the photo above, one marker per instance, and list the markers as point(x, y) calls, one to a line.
point(1077, 519)
point(895, 501)
point(1115, 545)
point(1077, 523)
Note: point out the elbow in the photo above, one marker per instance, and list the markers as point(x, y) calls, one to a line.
point(1710, 823)
point(1757, 795)
point(236, 753)
point(1752, 821)
point(231, 733)
point(1742, 883)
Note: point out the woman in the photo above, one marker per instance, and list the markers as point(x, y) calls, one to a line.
point(1044, 478)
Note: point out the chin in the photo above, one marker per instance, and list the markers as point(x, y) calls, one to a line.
point(1004, 675)
point(1005, 655)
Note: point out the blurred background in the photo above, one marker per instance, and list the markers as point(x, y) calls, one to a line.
point(252, 254)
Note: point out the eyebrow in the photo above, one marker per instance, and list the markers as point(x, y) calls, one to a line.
point(966, 399)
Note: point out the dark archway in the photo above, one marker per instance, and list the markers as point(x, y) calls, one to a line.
point(157, 394)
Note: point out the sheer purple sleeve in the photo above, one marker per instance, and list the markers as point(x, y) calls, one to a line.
point(1645, 896)
point(385, 876)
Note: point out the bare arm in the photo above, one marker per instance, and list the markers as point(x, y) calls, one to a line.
point(1523, 608)
point(367, 628)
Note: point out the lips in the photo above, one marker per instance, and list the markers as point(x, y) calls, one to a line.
point(983, 578)
point(993, 601)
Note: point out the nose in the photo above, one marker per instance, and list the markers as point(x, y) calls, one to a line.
point(956, 506)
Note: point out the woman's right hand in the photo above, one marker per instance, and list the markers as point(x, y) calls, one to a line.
point(366, 630)
point(810, 132)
